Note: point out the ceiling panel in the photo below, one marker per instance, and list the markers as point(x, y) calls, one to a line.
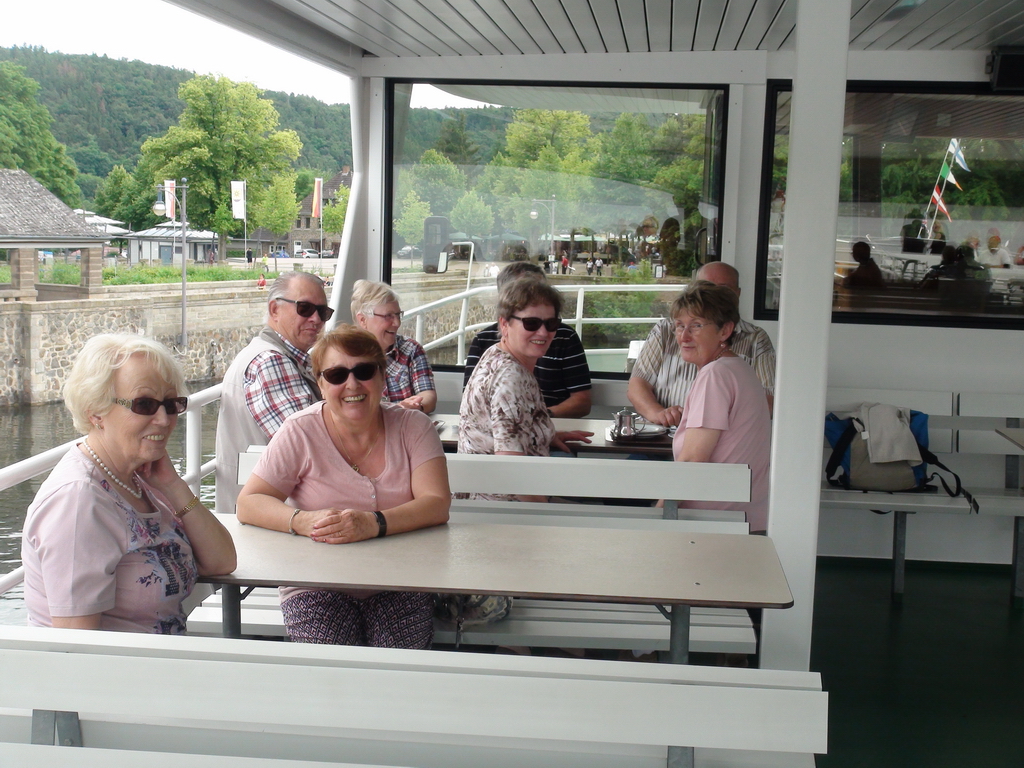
point(709, 21)
point(484, 25)
point(684, 24)
point(733, 24)
point(761, 18)
point(327, 16)
point(659, 24)
point(529, 17)
point(1000, 27)
point(867, 17)
point(615, 31)
point(385, 21)
point(907, 26)
point(560, 25)
point(581, 15)
point(937, 25)
point(780, 33)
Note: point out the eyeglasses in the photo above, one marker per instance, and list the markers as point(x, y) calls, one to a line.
point(390, 316)
point(147, 406)
point(339, 373)
point(534, 323)
point(693, 328)
point(307, 308)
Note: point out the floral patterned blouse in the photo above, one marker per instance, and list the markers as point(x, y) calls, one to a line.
point(503, 410)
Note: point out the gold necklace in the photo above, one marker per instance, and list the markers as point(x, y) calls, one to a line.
point(341, 442)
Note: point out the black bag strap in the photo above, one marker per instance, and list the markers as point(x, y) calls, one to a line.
point(836, 459)
point(930, 458)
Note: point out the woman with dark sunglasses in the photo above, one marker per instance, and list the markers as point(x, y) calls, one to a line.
point(410, 380)
point(503, 410)
point(344, 470)
point(115, 538)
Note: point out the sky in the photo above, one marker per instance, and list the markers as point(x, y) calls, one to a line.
point(160, 33)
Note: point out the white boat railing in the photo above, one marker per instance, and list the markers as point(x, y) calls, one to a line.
point(577, 321)
point(196, 470)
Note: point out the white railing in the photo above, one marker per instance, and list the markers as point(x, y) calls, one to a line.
point(577, 321)
point(194, 473)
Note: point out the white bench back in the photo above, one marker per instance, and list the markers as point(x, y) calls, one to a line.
point(990, 406)
point(598, 478)
point(395, 695)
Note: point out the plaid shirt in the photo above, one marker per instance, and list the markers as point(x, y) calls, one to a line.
point(408, 370)
point(275, 389)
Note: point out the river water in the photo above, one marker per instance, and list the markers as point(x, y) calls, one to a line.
point(33, 429)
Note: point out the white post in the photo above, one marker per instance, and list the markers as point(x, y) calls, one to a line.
point(184, 261)
point(805, 313)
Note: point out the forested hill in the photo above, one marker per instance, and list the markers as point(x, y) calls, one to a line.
point(103, 109)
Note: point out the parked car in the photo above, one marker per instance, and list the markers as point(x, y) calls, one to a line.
point(307, 253)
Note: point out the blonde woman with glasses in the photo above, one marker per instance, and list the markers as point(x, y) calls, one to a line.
point(410, 381)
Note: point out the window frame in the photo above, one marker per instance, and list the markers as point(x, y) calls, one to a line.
point(850, 317)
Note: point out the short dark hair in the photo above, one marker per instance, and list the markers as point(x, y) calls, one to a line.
point(524, 292)
point(714, 303)
point(518, 269)
point(861, 251)
point(353, 341)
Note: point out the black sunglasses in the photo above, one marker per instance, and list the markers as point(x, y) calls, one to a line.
point(307, 308)
point(534, 323)
point(147, 406)
point(339, 373)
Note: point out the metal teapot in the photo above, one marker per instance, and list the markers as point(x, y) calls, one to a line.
point(625, 425)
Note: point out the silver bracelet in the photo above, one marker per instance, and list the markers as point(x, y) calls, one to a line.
point(291, 520)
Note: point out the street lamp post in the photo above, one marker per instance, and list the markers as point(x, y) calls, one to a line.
point(160, 208)
point(551, 210)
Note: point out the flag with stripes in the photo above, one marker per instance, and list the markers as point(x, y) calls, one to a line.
point(318, 194)
point(947, 174)
point(169, 198)
point(937, 199)
point(958, 154)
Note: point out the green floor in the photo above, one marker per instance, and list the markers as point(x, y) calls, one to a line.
point(938, 682)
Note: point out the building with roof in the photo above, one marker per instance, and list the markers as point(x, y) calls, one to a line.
point(162, 245)
point(32, 219)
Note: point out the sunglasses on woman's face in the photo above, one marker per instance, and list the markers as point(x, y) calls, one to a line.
point(307, 308)
point(534, 323)
point(147, 406)
point(339, 373)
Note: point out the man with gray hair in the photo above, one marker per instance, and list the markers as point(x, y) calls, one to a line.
point(661, 379)
point(563, 373)
point(271, 378)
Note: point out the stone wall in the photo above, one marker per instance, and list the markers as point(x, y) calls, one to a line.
point(41, 339)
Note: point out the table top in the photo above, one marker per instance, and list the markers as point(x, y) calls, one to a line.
point(599, 443)
point(1014, 434)
point(601, 565)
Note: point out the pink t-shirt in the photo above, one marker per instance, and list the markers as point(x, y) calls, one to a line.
point(727, 395)
point(302, 462)
point(86, 550)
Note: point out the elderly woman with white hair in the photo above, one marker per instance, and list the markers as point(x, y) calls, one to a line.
point(115, 539)
point(410, 381)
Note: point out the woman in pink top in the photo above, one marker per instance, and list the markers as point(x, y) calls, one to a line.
point(725, 419)
point(343, 470)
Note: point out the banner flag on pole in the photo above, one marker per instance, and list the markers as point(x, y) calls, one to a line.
point(939, 204)
point(169, 198)
point(318, 193)
point(947, 174)
point(238, 200)
point(958, 154)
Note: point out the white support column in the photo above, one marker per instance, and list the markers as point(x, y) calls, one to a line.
point(812, 195)
point(352, 253)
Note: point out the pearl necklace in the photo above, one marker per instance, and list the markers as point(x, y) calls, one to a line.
point(135, 492)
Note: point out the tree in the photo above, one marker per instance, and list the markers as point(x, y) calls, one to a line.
point(123, 197)
point(226, 132)
point(334, 213)
point(472, 215)
point(26, 141)
point(454, 143)
point(409, 225)
point(278, 208)
point(438, 182)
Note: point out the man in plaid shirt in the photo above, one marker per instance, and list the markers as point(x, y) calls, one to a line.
point(271, 378)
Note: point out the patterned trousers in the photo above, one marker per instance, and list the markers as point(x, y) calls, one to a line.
point(384, 620)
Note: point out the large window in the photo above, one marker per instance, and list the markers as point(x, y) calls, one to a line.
point(624, 183)
point(932, 181)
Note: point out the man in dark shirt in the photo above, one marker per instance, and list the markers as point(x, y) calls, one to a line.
point(563, 373)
